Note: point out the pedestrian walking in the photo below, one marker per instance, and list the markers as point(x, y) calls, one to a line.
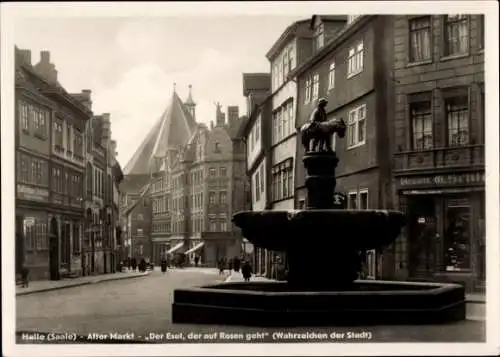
point(236, 264)
point(221, 266)
point(25, 277)
point(163, 265)
point(134, 264)
point(196, 261)
point(142, 266)
point(129, 263)
point(246, 270)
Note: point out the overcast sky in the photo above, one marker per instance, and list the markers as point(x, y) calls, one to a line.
point(130, 64)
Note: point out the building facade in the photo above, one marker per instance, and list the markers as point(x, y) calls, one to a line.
point(50, 170)
point(439, 147)
point(353, 72)
point(256, 131)
point(191, 173)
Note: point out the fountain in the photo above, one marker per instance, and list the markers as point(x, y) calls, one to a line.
point(322, 288)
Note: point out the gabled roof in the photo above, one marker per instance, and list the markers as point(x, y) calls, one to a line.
point(174, 129)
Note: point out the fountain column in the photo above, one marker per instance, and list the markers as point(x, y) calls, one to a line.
point(315, 262)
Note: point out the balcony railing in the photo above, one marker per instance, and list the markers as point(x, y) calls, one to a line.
point(449, 157)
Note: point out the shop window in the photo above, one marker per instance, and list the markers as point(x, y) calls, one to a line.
point(457, 236)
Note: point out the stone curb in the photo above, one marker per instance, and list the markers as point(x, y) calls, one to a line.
point(76, 284)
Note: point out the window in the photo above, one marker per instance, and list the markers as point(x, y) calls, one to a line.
point(355, 60)
point(457, 114)
point(68, 137)
point(211, 198)
point(256, 187)
point(213, 226)
point(282, 180)
point(216, 147)
point(308, 90)
point(315, 86)
point(140, 232)
point(57, 180)
point(331, 76)
point(257, 130)
point(302, 204)
point(456, 35)
point(275, 76)
point(223, 226)
point(291, 58)
point(352, 18)
point(363, 199)
point(356, 127)
point(481, 31)
point(319, 38)
point(261, 170)
point(421, 123)
point(58, 135)
point(35, 232)
point(78, 144)
point(24, 116)
point(457, 242)
point(352, 201)
point(420, 39)
point(23, 174)
point(222, 197)
point(291, 117)
point(212, 172)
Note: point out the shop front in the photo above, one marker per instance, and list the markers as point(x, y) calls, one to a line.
point(445, 234)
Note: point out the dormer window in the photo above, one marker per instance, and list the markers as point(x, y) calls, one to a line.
point(319, 37)
point(216, 147)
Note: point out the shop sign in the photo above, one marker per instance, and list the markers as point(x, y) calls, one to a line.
point(475, 178)
point(32, 193)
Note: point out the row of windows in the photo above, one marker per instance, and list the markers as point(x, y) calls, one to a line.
point(355, 63)
point(283, 121)
point(196, 177)
point(456, 37)
point(218, 225)
point(67, 183)
point(34, 119)
point(197, 224)
point(258, 184)
point(456, 109)
point(98, 182)
point(282, 181)
point(284, 64)
point(32, 171)
point(160, 205)
point(357, 199)
point(197, 200)
point(212, 171)
point(161, 227)
point(212, 197)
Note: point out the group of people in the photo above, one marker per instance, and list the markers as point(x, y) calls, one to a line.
point(131, 264)
point(236, 264)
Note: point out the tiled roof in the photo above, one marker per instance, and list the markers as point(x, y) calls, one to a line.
point(172, 130)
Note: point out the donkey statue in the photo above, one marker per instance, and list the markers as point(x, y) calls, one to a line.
point(320, 133)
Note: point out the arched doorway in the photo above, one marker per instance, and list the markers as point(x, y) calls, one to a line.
point(54, 250)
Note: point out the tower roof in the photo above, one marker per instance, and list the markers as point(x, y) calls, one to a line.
point(174, 129)
point(189, 100)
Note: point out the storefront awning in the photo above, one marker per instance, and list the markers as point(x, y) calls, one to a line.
point(175, 248)
point(195, 248)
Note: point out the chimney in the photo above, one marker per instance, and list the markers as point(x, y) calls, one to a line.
point(45, 68)
point(233, 114)
point(211, 125)
point(106, 128)
point(25, 56)
point(84, 97)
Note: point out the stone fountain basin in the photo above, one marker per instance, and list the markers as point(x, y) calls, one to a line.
point(274, 304)
point(334, 228)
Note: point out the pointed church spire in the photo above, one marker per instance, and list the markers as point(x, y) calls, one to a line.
point(189, 100)
point(190, 104)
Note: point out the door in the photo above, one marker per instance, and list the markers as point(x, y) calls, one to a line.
point(457, 235)
point(54, 250)
point(422, 237)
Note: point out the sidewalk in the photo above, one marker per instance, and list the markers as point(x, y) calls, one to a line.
point(237, 276)
point(48, 285)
